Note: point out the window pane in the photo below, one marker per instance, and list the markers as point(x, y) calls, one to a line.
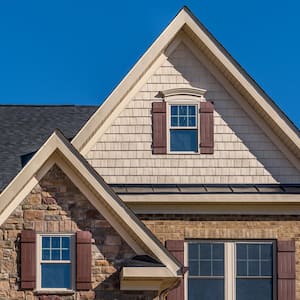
point(193, 251)
point(266, 268)
point(218, 268)
point(253, 268)
point(206, 289)
point(242, 268)
point(241, 251)
point(55, 254)
point(266, 251)
point(192, 110)
point(66, 242)
point(254, 289)
point(55, 242)
point(183, 140)
point(182, 110)
point(253, 251)
point(205, 268)
point(218, 251)
point(194, 268)
point(174, 110)
point(183, 121)
point(192, 121)
point(205, 251)
point(46, 255)
point(174, 121)
point(45, 242)
point(65, 255)
point(56, 276)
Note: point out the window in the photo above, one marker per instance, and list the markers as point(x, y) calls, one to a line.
point(183, 128)
point(55, 268)
point(230, 270)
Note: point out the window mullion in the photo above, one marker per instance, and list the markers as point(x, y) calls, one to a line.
point(229, 271)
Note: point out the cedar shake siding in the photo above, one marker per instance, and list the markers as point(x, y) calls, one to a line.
point(242, 151)
point(56, 206)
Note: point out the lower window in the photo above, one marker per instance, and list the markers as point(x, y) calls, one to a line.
point(233, 270)
point(55, 269)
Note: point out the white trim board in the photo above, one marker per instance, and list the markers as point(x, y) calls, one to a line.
point(58, 150)
point(185, 23)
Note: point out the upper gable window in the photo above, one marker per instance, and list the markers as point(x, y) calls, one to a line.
point(183, 122)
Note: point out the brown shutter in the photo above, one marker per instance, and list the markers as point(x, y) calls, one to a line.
point(176, 247)
point(159, 131)
point(83, 260)
point(286, 275)
point(28, 259)
point(206, 128)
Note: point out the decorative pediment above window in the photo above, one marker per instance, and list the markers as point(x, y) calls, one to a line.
point(188, 93)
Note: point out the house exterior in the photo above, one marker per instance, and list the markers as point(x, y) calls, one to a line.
point(183, 184)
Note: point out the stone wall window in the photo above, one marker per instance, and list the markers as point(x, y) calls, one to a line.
point(55, 258)
point(233, 270)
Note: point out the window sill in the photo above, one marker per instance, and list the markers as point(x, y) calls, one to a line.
point(54, 292)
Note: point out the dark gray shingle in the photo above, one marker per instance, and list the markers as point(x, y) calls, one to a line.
point(25, 128)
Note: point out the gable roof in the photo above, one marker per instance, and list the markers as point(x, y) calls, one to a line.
point(58, 150)
point(254, 100)
point(24, 128)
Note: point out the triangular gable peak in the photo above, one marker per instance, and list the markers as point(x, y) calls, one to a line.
point(57, 150)
point(239, 84)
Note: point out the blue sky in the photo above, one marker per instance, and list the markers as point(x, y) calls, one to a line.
point(76, 52)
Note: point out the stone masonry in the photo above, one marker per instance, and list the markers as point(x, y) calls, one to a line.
point(195, 227)
point(57, 206)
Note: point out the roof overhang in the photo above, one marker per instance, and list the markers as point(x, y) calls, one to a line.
point(58, 150)
point(236, 81)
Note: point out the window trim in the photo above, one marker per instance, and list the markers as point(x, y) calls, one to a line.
point(39, 237)
point(183, 96)
point(230, 264)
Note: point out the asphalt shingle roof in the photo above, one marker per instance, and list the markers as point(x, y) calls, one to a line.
point(25, 128)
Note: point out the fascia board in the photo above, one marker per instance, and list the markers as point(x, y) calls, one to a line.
point(57, 145)
point(184, 19)
point(89, 129)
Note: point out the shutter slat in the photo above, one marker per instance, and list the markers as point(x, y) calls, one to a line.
point(83, 260)
point(286, 270)
point(28, 259)
point(206, 128)
point(159, 131)
point(176, 247)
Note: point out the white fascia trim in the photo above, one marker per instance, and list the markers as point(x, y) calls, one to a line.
point(146, 278)
point(58, 150)
point(184, 19)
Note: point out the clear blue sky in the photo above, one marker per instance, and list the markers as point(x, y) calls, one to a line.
point(76, 52)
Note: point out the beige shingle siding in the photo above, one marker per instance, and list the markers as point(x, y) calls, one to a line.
point(243, 153)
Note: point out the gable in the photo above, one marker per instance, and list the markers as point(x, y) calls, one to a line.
point(57, 150)
point(243, 152)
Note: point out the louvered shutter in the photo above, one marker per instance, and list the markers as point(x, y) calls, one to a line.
point(206, 128)
point(28, 259)
point(83, 260)
point(176, 247)
point(286, 274)
point(159, 131)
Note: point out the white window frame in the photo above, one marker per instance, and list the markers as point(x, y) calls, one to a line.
point(39, 261)
point(230, 265)
point(183, 96)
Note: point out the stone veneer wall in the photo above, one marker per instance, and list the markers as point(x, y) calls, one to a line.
point(188, 227)
point(57, 206)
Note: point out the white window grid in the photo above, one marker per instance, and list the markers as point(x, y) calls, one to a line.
point(40, 261)
point(230, 266)
point(195, 115)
